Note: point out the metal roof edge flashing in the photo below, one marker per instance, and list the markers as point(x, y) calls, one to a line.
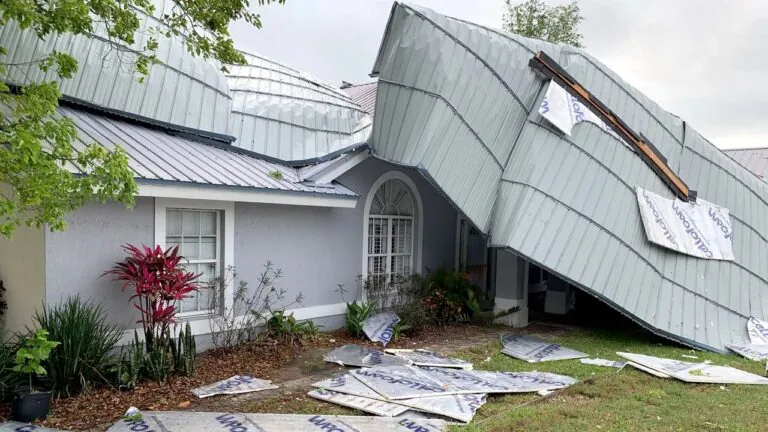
point(182, 131)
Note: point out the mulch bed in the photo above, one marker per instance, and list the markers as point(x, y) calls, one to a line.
point(101, 407)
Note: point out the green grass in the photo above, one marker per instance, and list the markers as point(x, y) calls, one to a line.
point(629, 400)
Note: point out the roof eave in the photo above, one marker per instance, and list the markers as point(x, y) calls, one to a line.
point(196, 191)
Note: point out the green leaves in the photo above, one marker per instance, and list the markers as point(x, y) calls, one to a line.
point(536, 19)
point(33, 353)
point(39, 149)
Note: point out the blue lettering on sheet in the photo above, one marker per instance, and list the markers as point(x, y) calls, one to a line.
point(324, 424)
point(577, 112)
point(228, 421)
point(544, 106)
point(528, 377)
point(692, 230)
point(546, 351)
point(139, 425)
point(465, 377)
point(411, 425)
point(404, 381)
point(235, 382)
point(660, 221)
point(25, 428)
point(760, 328)
point(724, 227)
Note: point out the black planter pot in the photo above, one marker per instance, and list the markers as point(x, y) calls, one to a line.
point(29, 406)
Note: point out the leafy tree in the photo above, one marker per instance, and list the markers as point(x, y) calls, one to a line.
point(36, 146)
point(536, 19)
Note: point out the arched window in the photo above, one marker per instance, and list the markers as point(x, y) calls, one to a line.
point(393, 212)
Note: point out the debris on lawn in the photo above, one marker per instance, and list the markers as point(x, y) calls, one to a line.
point(24, 427)
point(694, 372)
point(459, 407)
point(758, 331)
point(175, 421)
point(373, 406)
point(756, 352)
point(452, 393)
point(381, 327)
point(647, 370)
point(132, 413)
point(234, 385)
point(360, 356)
point(603, 362)
point(534, 350)
point(421, 357)
point(689, 356)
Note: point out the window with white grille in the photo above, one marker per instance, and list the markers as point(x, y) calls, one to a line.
point(391, 232)
point(198, 235)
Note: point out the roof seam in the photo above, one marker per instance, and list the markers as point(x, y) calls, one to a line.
point(570, 141)
point(455, 111)
point(469, 50)
point(632, 249)
point(316, 89)
point(298, 125)
point(351, 105)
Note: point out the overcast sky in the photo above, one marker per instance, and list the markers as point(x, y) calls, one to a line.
point(699, 59)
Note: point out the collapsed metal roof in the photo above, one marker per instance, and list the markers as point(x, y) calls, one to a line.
point(753, 159)
point(460, 102)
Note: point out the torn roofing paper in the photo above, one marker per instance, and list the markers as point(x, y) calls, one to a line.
point(235, 385)
point(758, 331)
point(459, 407)
point(373, 406)
point(459, 102)
point(756, 352)
point(403, 382)
point(381, 327)
point(173, 421)
point(695, 372)
point(360, 356)
point(500, 382)
point(699, 229)
point(534, 350)
point(421, 357)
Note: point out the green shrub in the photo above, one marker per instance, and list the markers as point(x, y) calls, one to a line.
point(9, 378)
point(448, 297)
point(284, 328)
point(87, 336)
point(356, 314)
point(165, 357)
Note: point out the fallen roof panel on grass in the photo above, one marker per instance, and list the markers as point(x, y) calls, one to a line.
point(459, 102)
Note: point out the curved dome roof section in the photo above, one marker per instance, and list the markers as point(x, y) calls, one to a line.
point(283, 113)
point(181, 89)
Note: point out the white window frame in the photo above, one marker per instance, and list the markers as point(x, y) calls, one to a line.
point(418, 227)
point(227, 247)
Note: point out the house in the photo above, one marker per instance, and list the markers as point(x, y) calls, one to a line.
point(445, 160)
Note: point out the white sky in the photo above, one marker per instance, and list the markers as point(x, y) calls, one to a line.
point(703, 60)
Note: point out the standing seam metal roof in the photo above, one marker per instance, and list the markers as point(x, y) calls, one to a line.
point(459, 102)
point(363, 95)
point(753, 159)
point(154, 155)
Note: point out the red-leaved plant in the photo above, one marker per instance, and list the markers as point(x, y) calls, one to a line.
point(159, 281)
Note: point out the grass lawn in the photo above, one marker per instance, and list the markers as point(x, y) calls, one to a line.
point(630, 400)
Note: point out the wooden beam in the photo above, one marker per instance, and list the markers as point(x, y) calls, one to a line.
point(648, 153)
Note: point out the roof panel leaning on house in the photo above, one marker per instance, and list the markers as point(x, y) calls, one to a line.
point(460, 102)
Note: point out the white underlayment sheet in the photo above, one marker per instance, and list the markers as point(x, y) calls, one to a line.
point(459, 407)
point(199, 422)
point(421, 357)
point(234, 385)
point(695, 372)
point(381, 327)
point(360, 356)
point(699, 229)
point(534, 350)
